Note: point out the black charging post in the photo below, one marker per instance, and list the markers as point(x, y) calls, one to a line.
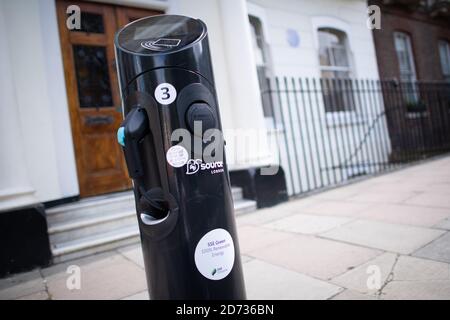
point(183, 198)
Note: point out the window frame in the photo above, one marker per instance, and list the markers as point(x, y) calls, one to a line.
point(349, 69)
point(337, 118)
point(257, 12)
point(411, 98)
point(410, 53)
point(446, 43)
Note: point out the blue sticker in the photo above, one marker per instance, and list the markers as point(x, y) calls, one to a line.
point(121, 136)
point(293, 38)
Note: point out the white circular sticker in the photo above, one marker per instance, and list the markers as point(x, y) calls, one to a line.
point(214, 254)
point(165, 93)
point(177, 156)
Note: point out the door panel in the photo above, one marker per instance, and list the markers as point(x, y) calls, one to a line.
point(126, 15)
point(93, 96)
point(92, 74)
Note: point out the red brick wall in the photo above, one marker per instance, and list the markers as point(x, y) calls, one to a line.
point(413, 135)
point(425, 32)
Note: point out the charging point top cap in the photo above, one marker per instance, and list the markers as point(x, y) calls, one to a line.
point(156, 34)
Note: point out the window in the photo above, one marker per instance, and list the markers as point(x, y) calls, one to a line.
point(444, 53)
point(335, 64)
point(91, 23)
point(262, 68)
point(405, 56)
point(407, 70)
point(93, 78)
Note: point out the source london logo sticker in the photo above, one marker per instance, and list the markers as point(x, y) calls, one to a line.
point(195, 165)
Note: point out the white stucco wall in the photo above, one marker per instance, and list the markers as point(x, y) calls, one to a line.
point(36, 79)
point(313, 126)
point(305, 16)
point(15, 186)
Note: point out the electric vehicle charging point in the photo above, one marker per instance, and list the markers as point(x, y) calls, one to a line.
point(183, 199)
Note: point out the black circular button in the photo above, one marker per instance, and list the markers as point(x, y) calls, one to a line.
point(200, 111)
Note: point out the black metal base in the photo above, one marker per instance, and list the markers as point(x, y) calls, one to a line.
point(266, 190)
point(24, 239)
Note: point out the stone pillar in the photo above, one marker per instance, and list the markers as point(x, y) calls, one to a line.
point(244, 86)
point(15, 187)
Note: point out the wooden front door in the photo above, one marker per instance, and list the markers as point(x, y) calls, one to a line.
point(93, 93)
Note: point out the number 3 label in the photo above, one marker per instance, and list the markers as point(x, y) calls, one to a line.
point(165, 93)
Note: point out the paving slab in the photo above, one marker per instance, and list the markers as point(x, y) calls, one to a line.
point(319, 258)
point(60, 269)
point(358, 279)
point(353, 295)
point(138, 296)
point(390, 237)
point(385, 197)
point(406, 186)
point(21, 285)
point(307, 224)
point(437, 187)
point(393, 177)
point(133, 253)
point(337, 208)
point(410, 268)
point(260, 217)
point(245, 259)
point(417, 290)
point(339, 194)
point(444, 224)
point(266, 281)
point(438, 250)
point(41, 295)
point(429, 199)
point(298, 204)
point(405, 214)
point(266, 215)
point(113, 277)
point(252, 238)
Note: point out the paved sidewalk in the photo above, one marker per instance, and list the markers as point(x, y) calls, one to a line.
point(382, 238)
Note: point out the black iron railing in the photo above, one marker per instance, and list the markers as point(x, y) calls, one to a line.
point(328, 131)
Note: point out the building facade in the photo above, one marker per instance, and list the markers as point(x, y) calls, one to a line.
point(309, 41)
point(414, 40)
point(413, 53)
point(60, 107)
